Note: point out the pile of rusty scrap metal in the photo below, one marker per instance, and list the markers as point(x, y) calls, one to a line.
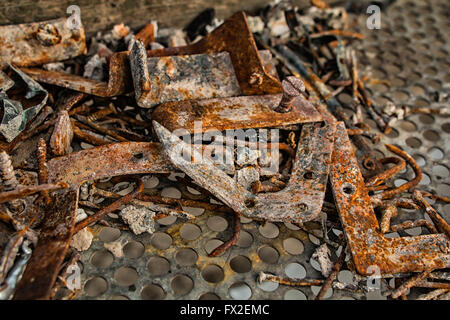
point(121, 102)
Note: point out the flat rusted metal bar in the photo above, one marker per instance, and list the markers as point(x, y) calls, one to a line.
point(108, 161)
point(38, 43)
point(234, 113)
point(301, 200)
point(369, 247)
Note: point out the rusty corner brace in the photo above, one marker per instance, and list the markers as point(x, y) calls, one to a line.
point(253, 79)
point(233, 37)
point(96, 163)
point(369, 247)
point(300, 201)
point(32, 44)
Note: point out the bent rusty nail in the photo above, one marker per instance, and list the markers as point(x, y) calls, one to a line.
point(407, 185)
point(110, 208)
point(300, 201)
point(440, 223)
point(38, 43)
point(369, 247)
point(410, 283)
point(378, 179)
point(26, 191)
point(230, 242)
point(332, 276)
point(288, 282)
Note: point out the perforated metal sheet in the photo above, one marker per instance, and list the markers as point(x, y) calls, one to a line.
point(411, 52)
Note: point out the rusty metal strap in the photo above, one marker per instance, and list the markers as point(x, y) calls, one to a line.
point(369, 247)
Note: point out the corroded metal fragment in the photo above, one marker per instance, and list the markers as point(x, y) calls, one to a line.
point(300, 201)
point(369, 247)
point(56, 233)
point(108, 161)
point(177, 78)
point(234, 113)
point(62, 134)
point(38, 43)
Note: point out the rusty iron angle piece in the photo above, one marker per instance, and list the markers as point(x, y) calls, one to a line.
point(369, 247)
point(233, 36)
point(300, 201)
point(176, 78)
point(257, 111)
point(32, 44)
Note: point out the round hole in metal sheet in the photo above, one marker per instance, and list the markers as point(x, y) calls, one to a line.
point(190, 231)
point(293, 246)
point(240, 291)
point(426, 119)
point(268, 254)
point(425, 179)
point(294, 294)
point(181, 284)
point(241, 264)
point(440, 171)
point(212, 244)
point(407, 125)
point(209, 296)
point(167, 221)
point(126, 276)
point(413, 142)
point(216, 223)
point(269, 230)
point(420, 160)
point(213, 273)
point(268, 286)
point(133, 250)
point(95, 287)
point(108, 234)
point(186, 257)
point(431, 135)
point(245, 239)
point(346, 276)
point(436, 153)
point(194, 211)
point(171, 192)
point(152, 292)
point(446, 127)
point(161, 240)
point(295, 270)
point(158, 266)
point(443, 190)
point(102, 259)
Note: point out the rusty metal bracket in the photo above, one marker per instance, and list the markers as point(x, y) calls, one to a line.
point(256, 111)
point(225, 63)
point(38, 43)
point(233, 36)
point(369, 247)
point(300, 201)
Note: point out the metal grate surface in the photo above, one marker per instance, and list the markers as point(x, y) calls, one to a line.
point(411, 52)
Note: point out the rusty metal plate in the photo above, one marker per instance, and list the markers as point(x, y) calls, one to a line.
point(234, 113)
point(108, 161)
point(176, 78)
point(235, 37)
point(300, 201)
point(38, 43)
point(369, 247)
